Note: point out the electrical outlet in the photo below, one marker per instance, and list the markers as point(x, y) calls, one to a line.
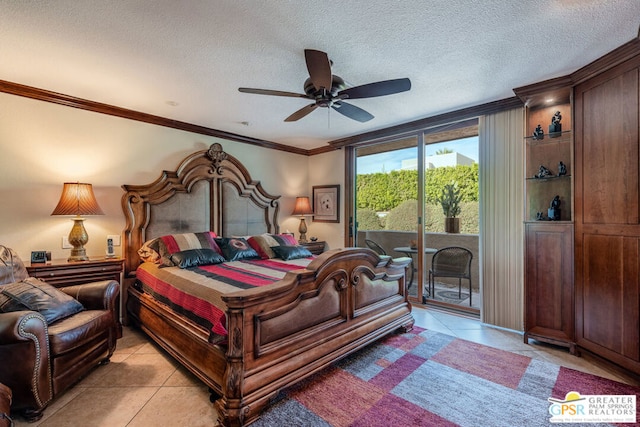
point(65, 243)
point(115, 238)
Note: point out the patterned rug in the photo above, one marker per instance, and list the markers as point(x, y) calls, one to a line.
point(425, 378)
point(450, 296)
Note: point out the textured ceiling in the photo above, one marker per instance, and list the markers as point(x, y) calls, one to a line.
point(185, 60)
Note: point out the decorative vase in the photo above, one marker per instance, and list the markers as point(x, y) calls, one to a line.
point(452, 225)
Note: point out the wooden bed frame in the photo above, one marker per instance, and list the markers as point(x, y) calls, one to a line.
point(279, 334)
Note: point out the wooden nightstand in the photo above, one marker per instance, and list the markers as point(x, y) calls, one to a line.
point(315, 248)
point(63, 273)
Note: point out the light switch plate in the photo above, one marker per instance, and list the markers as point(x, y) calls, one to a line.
point(65, 243)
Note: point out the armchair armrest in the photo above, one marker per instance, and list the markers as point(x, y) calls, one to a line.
point(19, 326)
point(101, 295)
point(24, 350)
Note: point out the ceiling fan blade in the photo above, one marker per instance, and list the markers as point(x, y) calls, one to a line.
point(301, 113)
point(271, 92)
point(386, 87)
point(351, 111)
point(319, 68)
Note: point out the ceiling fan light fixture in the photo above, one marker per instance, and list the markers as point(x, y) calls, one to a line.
point(328, 90)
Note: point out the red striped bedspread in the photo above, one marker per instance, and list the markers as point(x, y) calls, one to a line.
point(196, 292)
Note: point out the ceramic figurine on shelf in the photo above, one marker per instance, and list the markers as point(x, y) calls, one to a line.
point(554, 210)
point(555, 128)
point(562, 169)
point(543, 172)
point(538, 133)
point(539, 216)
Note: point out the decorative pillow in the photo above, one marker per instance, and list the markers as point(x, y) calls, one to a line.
point(159, 250)
point(147, 252)
point(236, 249)
point(11, 266)
point(36, 295)
point(264, 242)
point(291, 252)
point(196, 257)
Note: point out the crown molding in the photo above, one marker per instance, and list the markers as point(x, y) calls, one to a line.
point(98, 107)
point(429, 122)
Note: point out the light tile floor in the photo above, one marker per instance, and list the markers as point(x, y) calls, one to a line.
point(143, 386)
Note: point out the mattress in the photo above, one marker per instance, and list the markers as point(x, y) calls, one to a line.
point(196, 292)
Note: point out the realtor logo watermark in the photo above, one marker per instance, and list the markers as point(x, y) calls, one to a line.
point(604, 408)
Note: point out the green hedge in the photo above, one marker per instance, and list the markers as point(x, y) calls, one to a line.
point(404, 218)
point(466, 178)
point(469, 218)
point(382, 192)
point(396, 192)
point(368, 220)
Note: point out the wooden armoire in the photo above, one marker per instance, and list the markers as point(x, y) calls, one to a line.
point(602, 312)
point(607, 217)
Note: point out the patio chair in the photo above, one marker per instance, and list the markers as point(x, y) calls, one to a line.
point(452, 261)
point(375, 247)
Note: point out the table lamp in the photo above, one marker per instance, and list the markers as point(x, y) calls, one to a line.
point(77, 199)
point(302, 208)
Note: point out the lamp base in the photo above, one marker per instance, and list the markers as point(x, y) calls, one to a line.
point(303, 231)
point(78, 238)
point(77, 255)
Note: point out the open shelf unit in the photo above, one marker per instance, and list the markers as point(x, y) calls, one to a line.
point(549, 288)
point(548, 152)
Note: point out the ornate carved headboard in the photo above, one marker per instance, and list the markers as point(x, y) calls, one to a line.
point(209, 191)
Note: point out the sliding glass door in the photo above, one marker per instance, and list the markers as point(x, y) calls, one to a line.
point(397, 207)
point(387, 205)
point(452, 220)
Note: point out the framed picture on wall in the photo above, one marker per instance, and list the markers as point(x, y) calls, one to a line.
point(326, 203)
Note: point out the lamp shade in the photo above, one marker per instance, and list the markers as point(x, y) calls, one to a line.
point(303, 206)
point(77, 199)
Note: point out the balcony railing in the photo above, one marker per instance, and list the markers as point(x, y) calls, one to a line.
point(393, 239)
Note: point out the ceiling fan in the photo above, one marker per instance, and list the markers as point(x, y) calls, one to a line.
point(328, 90)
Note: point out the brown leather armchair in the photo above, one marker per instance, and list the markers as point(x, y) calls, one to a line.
point(39, 361)
point(5, 406)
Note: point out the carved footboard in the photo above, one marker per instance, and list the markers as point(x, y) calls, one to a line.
point(344, 300)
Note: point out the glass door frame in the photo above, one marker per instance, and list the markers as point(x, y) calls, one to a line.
point(350, 195)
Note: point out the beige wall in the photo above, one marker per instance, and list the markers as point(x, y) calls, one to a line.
point(328, 169)
point(43, 145)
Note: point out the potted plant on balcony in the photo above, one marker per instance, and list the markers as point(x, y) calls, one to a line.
point(450, 201)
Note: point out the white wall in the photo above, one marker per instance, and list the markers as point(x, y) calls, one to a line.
point(43, 145)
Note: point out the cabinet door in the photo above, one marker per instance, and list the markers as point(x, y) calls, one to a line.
point(608, 150)
point(607, 309)
point(549, 306)
point(607, 215)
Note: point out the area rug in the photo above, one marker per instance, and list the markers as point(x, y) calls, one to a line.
point(425, 378)
point(451, 296)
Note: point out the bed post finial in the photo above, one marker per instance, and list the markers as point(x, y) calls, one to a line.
point(216, 154)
